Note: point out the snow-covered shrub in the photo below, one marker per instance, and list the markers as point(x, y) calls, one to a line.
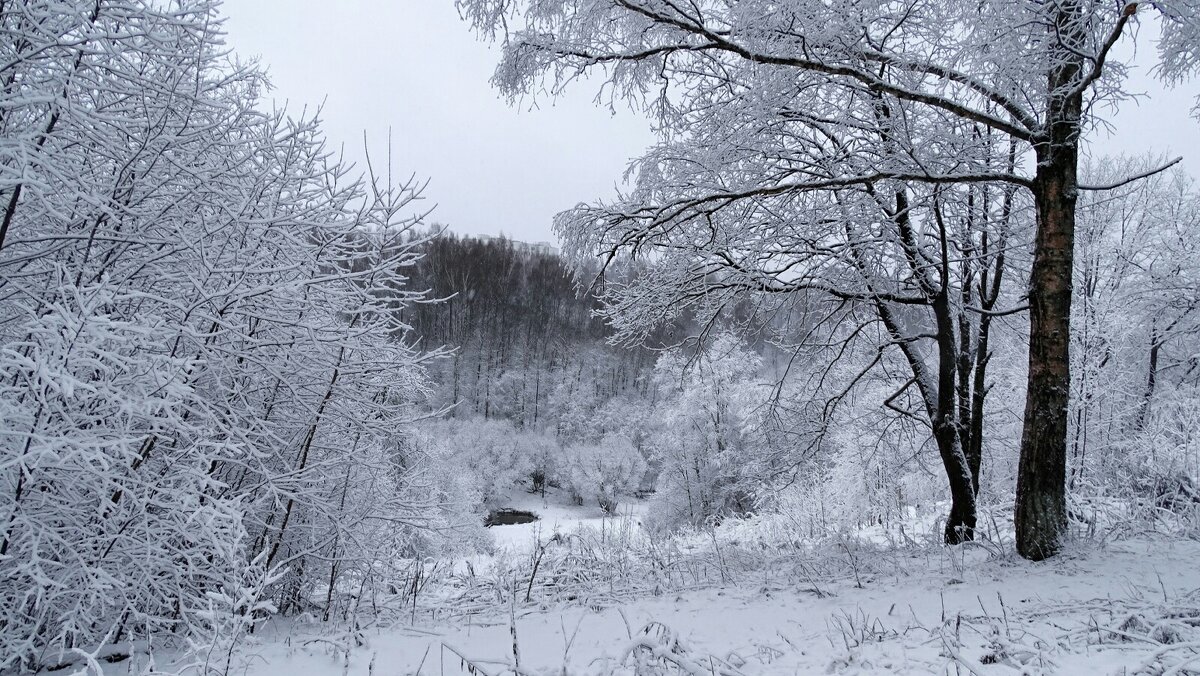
point(490, 452)
point(545, 459)
point(97, 530)
point(1148, 477)
point(440, 500)
point(226, 615)
point(605, 471)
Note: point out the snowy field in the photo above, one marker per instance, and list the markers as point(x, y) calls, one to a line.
point(849, 606)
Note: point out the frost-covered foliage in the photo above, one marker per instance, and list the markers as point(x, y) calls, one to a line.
point(490, 453)
point(604, 472)
point(865, 165)
point(492, 458)
point(202, 384)
point(710, 456)
point(1136, 342)
point(86, 536)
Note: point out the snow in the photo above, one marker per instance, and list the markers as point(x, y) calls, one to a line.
point(1099, 609)
point(556, 514)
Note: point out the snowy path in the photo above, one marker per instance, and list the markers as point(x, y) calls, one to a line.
point(929, 614)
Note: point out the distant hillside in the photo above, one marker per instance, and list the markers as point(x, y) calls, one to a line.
point(524, 336)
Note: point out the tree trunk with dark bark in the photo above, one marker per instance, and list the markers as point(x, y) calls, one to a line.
point(960, 523)
point(939, 390)
point(1151, 377)
point(1041, 505)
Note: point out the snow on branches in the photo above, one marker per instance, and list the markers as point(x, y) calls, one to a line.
point(202, 369)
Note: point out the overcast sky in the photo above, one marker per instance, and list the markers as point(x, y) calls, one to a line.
point(414, 67)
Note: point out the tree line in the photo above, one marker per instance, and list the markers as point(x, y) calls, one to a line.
point(523, 329)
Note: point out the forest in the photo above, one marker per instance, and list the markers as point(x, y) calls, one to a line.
point(872, 365)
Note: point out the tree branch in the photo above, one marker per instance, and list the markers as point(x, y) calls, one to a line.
point(1131, 179)
point(695, 27)
point(1098, 64)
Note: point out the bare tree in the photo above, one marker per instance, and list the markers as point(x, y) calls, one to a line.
point(1028, 72)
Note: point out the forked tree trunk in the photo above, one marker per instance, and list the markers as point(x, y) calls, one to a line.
point(938, 390)
point(960, 523)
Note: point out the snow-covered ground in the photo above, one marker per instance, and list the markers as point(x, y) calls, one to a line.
point(557, 514)
point(1129, 607)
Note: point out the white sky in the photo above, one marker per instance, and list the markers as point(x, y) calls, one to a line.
point(414, 67)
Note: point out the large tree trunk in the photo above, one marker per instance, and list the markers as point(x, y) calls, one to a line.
point(1041, 512)
point(1041, 505)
